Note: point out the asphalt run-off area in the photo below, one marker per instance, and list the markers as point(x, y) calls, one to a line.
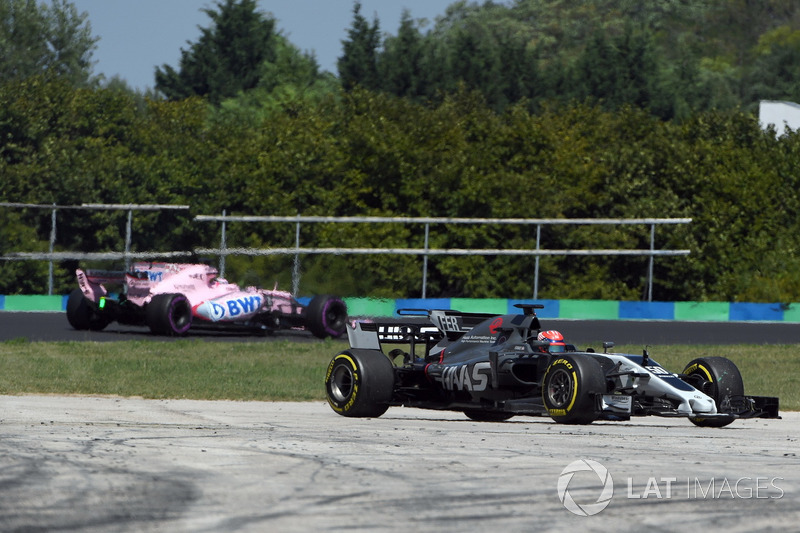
point(101, 464)
point(113, 464)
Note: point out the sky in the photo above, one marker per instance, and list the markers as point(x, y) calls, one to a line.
point(136, 36)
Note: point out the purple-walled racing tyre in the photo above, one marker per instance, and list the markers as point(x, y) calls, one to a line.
point(169, 314)
point(326, 316)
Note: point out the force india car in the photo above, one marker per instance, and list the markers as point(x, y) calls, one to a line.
point(492, 368)
point(170, 298)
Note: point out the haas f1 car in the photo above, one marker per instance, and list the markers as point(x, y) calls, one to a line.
point(493, 368)
point(170, 298)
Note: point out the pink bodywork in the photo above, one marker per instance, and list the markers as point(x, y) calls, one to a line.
point(212, 299)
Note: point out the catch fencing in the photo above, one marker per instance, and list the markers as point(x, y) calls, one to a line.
point(426, 251)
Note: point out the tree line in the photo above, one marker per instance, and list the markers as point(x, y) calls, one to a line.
point(313, 144)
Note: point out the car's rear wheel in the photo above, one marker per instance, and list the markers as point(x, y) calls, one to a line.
point(326, 316)
point(569, 389)
point(82, 314)
point(360, 383)
point(719, 378)
point(169, 314)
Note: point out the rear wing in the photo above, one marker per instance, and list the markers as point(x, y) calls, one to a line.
point(372, 335)
point(103, 276)
point(440, 324)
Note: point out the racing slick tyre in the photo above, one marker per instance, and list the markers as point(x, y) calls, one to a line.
point(359, 383)
point(569, 388)
point(82, 314)
point(486, 416)
point(169, 314)
point(326, 316)
point(719, 378)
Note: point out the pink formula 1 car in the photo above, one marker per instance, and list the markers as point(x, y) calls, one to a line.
point(170, 298)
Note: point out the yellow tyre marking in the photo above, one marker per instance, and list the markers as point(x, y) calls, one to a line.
point(706, 372)
point(345, 356)
point(574, 391)
point(355, 378)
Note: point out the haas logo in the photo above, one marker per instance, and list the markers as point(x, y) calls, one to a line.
point(496, 324)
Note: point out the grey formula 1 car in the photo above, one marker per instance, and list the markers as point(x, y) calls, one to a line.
point(492, 367)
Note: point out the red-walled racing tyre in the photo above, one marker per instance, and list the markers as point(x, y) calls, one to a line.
point(359, 383)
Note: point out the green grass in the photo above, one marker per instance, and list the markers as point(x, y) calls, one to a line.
point(180, 369)
point(286, 370)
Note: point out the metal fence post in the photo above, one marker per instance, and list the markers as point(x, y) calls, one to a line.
point(128, 240)
point(536, 262)
point(425, 262)
point(650, 266)
point(296, 266)
point(222, 246)
point(52, 247)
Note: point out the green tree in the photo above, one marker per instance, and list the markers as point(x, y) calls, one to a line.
point(619, 71)
point(775, 72)
point(37, 38)
point(358, 65)
point(400, 63)
point(228, 57)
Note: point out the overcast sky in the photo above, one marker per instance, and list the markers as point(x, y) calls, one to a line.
point(136, 36)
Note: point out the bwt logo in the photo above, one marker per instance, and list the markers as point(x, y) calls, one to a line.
point(152, 276)
point(236, 307)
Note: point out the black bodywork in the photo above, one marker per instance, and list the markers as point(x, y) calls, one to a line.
point(491, 367)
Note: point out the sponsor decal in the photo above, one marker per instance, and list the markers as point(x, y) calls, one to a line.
point(496, 324)
point(230, 309)
point(659, 371)
point(477, 339)
point(150, 275)
point(447, 323)
point(460, 377)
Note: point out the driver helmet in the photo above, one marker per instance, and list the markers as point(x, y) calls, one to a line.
point(556, 340)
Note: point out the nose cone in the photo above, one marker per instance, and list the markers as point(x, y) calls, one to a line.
point(703, 405)
point(210, 311)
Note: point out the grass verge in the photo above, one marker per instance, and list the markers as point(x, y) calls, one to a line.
point(286, 370)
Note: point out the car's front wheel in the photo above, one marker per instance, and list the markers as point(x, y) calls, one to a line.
point(360, 383)
point(719, 378)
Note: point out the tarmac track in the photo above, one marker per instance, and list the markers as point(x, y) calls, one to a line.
point(36, 326)
point(102, 464)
